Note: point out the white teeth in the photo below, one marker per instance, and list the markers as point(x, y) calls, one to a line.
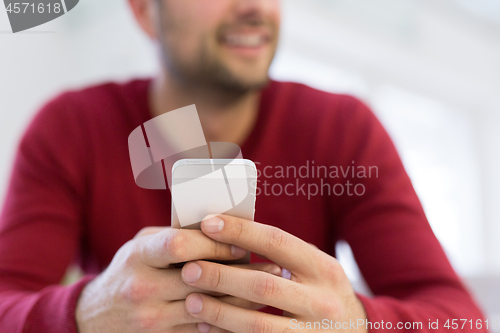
point(245, 40)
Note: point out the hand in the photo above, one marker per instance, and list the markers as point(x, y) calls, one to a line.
point(140, 291)
point(318, 289)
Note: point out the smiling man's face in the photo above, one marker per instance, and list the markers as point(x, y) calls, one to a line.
point(222, 43)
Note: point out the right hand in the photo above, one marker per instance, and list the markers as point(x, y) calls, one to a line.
point(140, 291)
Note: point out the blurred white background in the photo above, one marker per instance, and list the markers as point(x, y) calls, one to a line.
point(430, 69)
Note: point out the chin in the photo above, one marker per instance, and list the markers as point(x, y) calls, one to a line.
point(245, 84)
point(252, 78)
point(240, 81)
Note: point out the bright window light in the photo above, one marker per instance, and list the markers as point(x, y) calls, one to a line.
point(436, 146)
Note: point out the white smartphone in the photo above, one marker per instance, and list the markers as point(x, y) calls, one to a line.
point(201, 187)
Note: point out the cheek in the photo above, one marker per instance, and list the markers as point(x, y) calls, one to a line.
point(271, 11)
point(210, 12)
point(198, 15)
point(275, 10)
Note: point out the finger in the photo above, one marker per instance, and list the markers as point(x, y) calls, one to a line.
point(161, 317)
point(187, 328)
point(171, 246)
point(255, 286)
point(263, 267)
point(168, 285)
point(279, 246)
point(207, 328)
point(176, 314)
point(165, 284)
point(232, 318)
point(242, 303)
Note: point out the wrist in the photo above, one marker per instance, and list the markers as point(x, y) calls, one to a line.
point(358, 312)
point(86, 304)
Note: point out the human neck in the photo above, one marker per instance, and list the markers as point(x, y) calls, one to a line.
point(224, 117)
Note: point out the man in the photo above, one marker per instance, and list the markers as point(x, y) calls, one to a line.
point(72, 194)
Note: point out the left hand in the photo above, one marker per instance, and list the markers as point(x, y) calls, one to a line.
point(318, 290)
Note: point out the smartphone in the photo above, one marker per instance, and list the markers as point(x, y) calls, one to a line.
point(201, 187)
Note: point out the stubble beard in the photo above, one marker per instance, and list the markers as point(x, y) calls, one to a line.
point(210, 73)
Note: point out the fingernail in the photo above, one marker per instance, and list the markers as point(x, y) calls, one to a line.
point(213, 224)
point(194, 304)
point(275, 270)
point(191, 272)
point(237, 251)
point(203, 327)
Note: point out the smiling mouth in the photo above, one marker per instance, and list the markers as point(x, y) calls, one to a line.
point(245, 40)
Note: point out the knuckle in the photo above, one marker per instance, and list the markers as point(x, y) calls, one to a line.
point(217, 315)
point(325, 307)
point(176, 246)
point(186, 317)
point(136, 291)
point(239, 229)
point(129, 255)
point(218, 250)
point(261, 325)
point(176, 283)
point(143, 250)
point(276, 239)
point(215, 278)
point(333, 268)
point(146, 320)
point(264, 286)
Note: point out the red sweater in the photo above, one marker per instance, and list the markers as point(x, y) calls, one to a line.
point(72, 196)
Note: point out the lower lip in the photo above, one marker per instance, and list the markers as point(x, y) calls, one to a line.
point(247, 52)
